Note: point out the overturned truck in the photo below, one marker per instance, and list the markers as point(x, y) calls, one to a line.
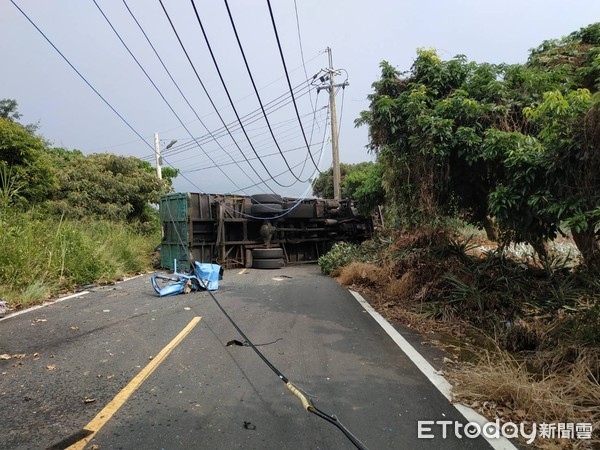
point(230, 229)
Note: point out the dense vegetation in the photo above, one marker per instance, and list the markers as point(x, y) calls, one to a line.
point(69, 219)
point(513, 150)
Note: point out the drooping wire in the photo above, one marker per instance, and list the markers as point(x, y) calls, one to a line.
point(220, 132)
point(155, 86)
point(120, 116)
point(287, 76)
point(177, 86)
point(80, 75)
point(211, 100)
point(304, 397)
point(260, 102)
point(288, 136)
point(232, 104)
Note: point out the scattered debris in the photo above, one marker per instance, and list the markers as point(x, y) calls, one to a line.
point(249, 426)
point(89, 400)
point(40, 320)
point(51, 367)
point(5, 356)
point(201, 276)
point(74, 328)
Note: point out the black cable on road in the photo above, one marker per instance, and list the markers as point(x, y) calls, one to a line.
point(306, 402)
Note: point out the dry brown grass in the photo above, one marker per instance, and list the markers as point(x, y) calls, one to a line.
point(363, 274)
point(500, 386)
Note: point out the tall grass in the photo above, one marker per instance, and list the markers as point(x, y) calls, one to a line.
point(40, 255)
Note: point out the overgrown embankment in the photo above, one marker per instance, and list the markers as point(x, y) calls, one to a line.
point(42, 256)
point(531, 330)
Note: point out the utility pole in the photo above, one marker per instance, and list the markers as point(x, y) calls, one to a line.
point(157, 155)
point(328, 83)
point(335, 150)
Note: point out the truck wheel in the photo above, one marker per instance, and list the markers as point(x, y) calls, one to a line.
point(267, 253)
point(257, 199)
point(268, 263)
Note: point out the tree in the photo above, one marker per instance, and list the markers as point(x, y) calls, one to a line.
point(361, 182)
point(23, 154)
point(104, 185)
point(517, 142)
point(9, 110)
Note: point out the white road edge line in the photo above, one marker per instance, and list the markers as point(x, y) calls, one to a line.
point(432, 375)
point(62, 299)
point(43, 305)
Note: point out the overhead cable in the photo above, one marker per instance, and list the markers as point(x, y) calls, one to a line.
point(260, 102)
point(81, 76)
point(287, 76)
point(265, 183)
point(226, 89)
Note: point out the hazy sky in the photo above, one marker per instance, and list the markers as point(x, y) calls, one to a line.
point(360, 33)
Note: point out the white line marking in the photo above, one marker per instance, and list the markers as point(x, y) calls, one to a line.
point(62, 299)
point(432, 375)
point(43, 305)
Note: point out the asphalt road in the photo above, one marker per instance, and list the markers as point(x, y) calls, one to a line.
point(80, 353)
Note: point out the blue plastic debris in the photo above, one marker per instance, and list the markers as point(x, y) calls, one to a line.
point(202, 276)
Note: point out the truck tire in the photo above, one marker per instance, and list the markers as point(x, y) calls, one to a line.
point(268, 263)
point(272, 209)
point(258, 199)
point(267, 253)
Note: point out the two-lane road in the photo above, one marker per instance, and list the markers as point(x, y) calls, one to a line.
point(204, 394)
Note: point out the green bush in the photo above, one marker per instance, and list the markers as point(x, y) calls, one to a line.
point(341, 254)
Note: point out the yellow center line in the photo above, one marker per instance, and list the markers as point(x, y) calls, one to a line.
point(242, 272)
point(119, 400)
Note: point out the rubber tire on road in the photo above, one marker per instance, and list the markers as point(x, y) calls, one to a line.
point(272, 209)
point(258, 199)
point(267, 263)
point(267, 253)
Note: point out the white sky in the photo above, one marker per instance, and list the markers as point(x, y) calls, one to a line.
point(360, 33)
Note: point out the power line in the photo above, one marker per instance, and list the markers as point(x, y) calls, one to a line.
point(284, 136)
point(290, 136)
point(237, 37)
point(154, 84)
point(80, 75)
point(229, 95)
point(220, 132)
point(287, 76)
point(211, 100)
point(176, 84)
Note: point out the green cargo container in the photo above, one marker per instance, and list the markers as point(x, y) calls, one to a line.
point(174, 219)
point(188, 226)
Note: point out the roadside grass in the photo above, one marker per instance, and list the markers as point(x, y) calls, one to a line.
point(43, 256)
point(500, 386)
point(525, 333)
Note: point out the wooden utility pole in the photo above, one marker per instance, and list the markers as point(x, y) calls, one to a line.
point(337, 175)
